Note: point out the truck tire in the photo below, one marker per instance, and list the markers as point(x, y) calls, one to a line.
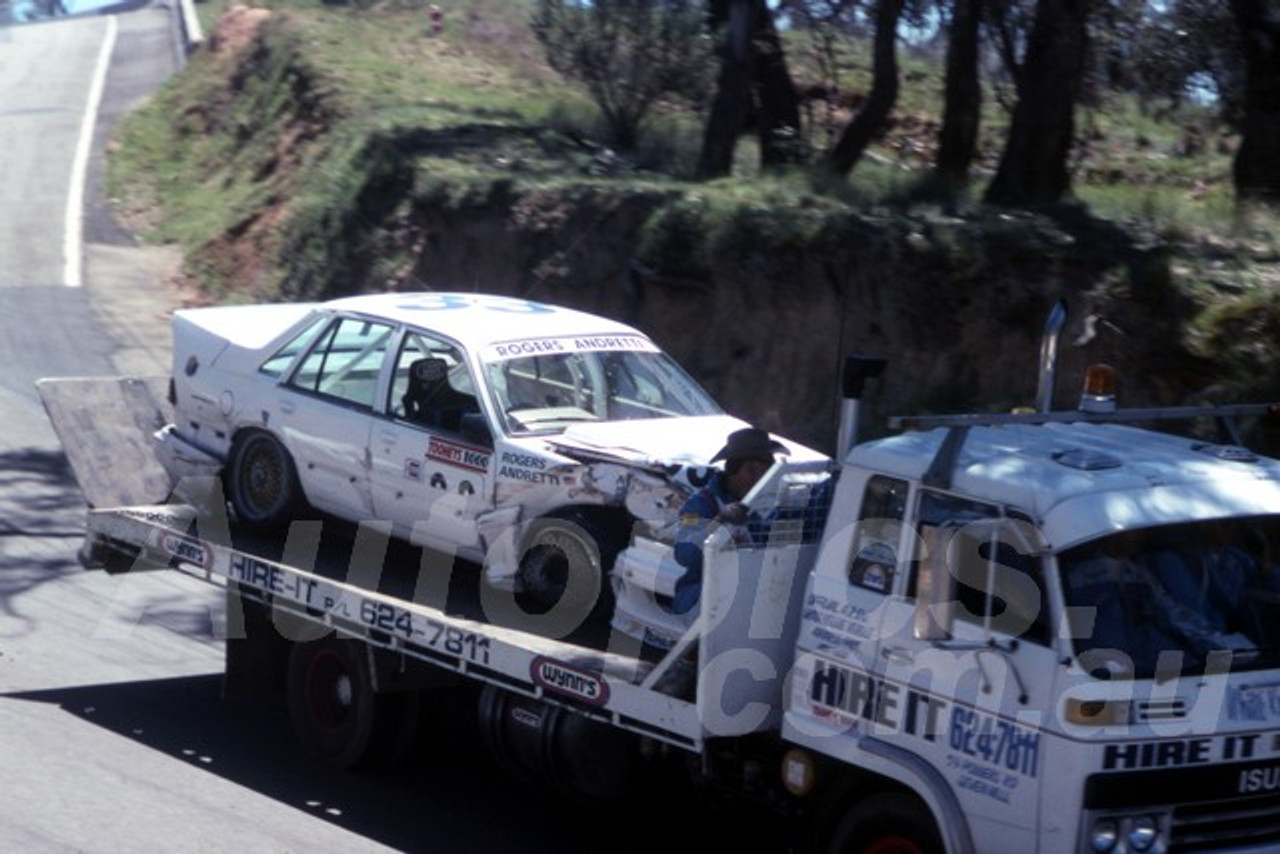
point(585, 761)
point(563, 565)
point(887, 823)
point(262, 481)
point(336, 714)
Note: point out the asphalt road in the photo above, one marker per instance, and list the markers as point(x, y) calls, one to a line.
point(113, 732)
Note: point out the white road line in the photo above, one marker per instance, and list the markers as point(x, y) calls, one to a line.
point(73, 240)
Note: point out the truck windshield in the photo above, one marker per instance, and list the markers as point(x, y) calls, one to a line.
point(549, 390)
point(1178, 599)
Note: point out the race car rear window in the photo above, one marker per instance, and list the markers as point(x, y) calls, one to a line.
point(346, 361)
point(279, 361)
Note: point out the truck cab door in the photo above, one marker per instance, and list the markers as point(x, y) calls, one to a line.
point(967, 661)
point(846, 600)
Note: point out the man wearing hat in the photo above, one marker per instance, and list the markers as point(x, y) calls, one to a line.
point(747, 455)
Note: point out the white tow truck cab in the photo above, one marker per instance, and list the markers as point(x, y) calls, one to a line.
point(1064, 636)
point(1032, 632)
point(1058, 631)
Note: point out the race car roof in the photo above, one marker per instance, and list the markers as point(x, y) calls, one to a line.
point(477, 320)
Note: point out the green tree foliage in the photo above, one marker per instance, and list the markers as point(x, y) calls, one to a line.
point(826, 25)
point(628, 54)
point(1157, 51)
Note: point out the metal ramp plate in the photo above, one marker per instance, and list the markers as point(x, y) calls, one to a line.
point(105, 425)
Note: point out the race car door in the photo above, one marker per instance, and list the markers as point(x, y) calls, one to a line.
point(432, 454)
point(326, 411)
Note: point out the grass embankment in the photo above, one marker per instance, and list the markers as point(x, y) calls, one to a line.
point(293, 167)
point(315, 130)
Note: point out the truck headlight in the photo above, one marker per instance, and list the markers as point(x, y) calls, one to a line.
point(1127, 834)
point(1104, 835)
point(1143, 833)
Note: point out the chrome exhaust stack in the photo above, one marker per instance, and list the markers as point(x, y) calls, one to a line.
point(857, 370)
point(1049, 355)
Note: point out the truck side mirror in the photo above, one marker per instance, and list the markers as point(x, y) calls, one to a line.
point(935, 586)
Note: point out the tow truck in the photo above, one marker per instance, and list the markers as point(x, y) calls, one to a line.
point(1037, 631)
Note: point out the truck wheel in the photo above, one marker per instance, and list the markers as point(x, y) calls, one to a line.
point(562, 566)
point(335, 711)
point(262, 481)
point(889, 823)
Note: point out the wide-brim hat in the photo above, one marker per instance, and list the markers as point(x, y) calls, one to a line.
point(749, 443)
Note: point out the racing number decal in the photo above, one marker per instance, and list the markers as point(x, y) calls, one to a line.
point(448, 302)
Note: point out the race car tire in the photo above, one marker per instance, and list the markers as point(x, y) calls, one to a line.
point(563, 566)
point(262, 481)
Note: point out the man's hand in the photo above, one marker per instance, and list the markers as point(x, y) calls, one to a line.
point(735, 513)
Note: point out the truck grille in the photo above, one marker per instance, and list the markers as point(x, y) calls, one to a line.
point(1238, 823)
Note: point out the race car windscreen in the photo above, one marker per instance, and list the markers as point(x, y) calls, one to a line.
point(544, 385)
point(1176, 599)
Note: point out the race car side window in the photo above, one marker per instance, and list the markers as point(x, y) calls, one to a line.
point(279, 361)
point(345, 362)
point(431, 385)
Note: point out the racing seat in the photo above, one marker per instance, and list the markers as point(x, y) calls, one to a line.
point(431, 400)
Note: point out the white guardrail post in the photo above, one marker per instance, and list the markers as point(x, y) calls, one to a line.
point(193, 33)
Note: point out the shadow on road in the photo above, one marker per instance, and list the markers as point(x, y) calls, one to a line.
point(41, 522)
point(187, 719)
point(449, 797)
point(40, 484)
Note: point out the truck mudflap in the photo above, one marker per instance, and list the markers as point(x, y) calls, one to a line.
point(106, 425)
point(602, 685)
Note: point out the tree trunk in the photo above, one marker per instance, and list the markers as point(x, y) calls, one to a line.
point(962, 107)
point(1256, 170)
point(731, 21)
point(754, 87)
point(779, 105)
point(1033, 167)
point(869, 123)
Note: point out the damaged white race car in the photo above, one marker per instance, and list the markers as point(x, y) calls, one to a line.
point(523, 436)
